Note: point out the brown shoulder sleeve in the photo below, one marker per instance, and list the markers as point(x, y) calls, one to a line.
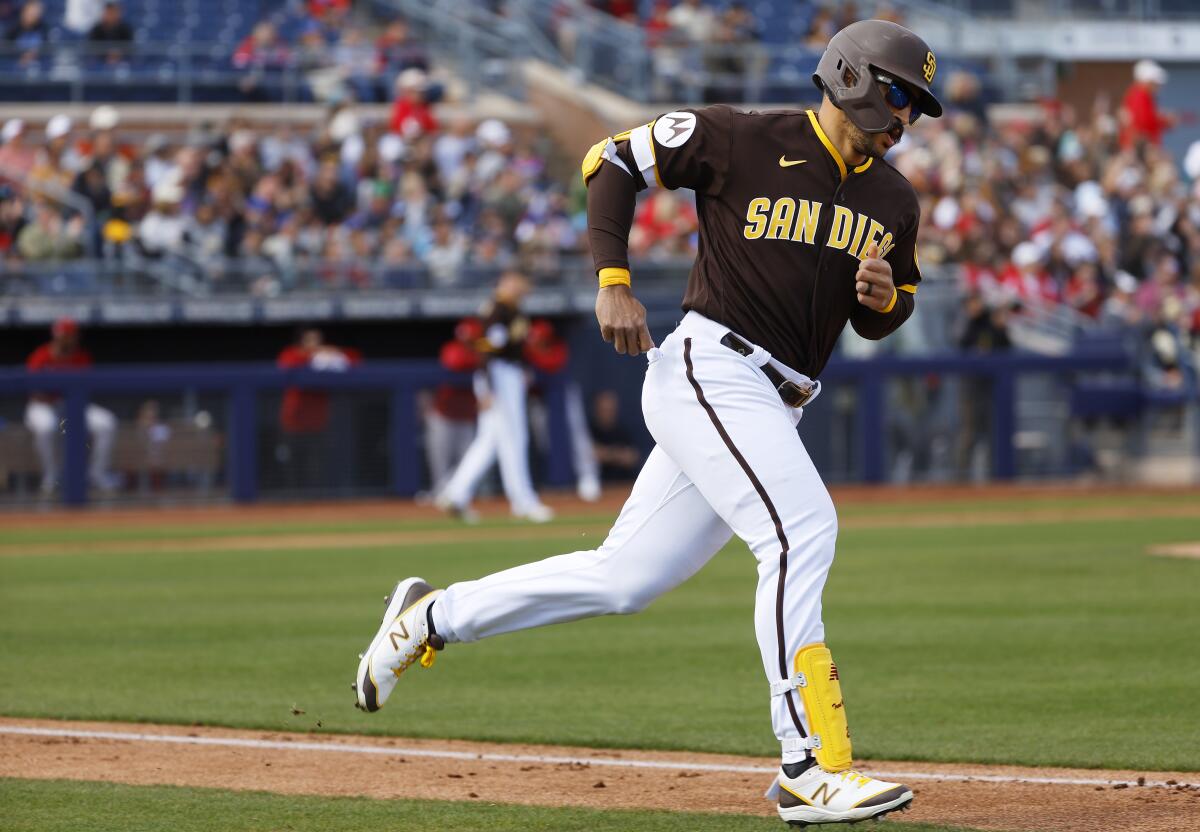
point(611, 198)
point(692, 148)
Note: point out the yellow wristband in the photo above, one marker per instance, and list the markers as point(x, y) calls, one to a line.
point(611, 277)
point(891, 303)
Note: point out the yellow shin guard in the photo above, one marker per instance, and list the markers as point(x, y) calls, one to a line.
point(817, 679)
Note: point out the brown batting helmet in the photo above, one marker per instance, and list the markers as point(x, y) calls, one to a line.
point(846, 72)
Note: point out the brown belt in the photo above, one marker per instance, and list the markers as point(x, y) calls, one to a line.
point(793, 394)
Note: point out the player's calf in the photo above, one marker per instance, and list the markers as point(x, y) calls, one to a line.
point(826, 789)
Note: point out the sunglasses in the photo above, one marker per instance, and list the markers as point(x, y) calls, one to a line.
point(900, 97)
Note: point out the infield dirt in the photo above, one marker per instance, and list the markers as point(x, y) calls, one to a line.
point(926, 502)
point(397, 773)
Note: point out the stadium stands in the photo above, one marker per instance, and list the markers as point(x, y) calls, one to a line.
point(1048, 225)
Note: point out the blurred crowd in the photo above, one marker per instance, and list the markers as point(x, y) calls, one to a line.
point(336, 52)
point(733, 22)
point(1079, 211)
point(719, 49)
point(356, 201)
point(341, 55)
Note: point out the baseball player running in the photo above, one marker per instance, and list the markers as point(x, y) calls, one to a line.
point(803, 228)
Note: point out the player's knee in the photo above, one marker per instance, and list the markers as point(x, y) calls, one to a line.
point(628, 603)
point(818, 527)
point(625, 598)
point(827, 521)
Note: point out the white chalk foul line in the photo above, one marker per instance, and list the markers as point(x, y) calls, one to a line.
point(612, 762)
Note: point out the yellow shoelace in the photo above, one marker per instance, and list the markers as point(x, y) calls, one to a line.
point(426, 653)
point(856, 778)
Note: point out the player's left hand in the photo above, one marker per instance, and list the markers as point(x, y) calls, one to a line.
point(873, 283)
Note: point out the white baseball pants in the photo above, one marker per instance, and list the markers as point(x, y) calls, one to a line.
point(42, 419)
point(583, 452)
point(503, 435)
point(728, 461)
point(446, 443)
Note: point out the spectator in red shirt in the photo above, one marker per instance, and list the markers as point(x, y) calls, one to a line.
point(411, 114)
point(304, 413)
point(1026, 279)
point(663, 224)
point(261, 48)
point(317, 9)
point(260, 51)
point(450, 419)
point(44, 414)
point(1083, 291)
point(17, 156)
point(1141, 120)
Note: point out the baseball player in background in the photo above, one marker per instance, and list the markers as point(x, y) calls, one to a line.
point(43, 414)
point(451, 415)
point(304, 414)
point(501, 389)
point(547, 353)
point(803, 229)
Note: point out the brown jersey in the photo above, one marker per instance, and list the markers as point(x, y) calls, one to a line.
point(783, 224)
point(504, 332)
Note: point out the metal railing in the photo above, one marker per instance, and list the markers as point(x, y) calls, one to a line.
point(79, 71)
point(241, 385)
point(485, 48)
point(129, 274)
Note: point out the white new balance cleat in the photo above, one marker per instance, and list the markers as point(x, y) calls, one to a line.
point(536, 513)
point(588, 489)
point(403, 639)
point(818, 796)
point(464, 513)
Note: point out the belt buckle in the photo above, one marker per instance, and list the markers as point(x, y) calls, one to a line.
point(796, 395)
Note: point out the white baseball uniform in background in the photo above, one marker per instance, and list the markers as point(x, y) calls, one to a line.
point(728, 461)
point(43, 418)
point(446, 443)
point(503, 435)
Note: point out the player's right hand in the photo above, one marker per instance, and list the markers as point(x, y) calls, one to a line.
point(622, 320)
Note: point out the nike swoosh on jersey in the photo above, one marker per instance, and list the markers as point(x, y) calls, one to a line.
point(784, 162)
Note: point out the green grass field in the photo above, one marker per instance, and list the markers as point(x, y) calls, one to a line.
point(1054, 643)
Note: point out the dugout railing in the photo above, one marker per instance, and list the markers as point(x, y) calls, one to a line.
point(401, 381)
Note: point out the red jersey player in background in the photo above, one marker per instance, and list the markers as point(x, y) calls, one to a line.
point(304, 413)
point(546, 352)
point(450, 417)
point(43, 414)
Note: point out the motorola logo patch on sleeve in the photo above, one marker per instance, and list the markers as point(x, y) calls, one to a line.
point(674, 129)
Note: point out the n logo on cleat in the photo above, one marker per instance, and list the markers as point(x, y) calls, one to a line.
point(402, 634)
point(823, 789)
